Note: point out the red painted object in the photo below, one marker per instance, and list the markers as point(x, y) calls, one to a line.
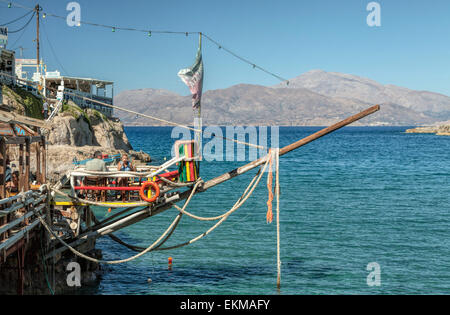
point(167, 175)
point(107, 188)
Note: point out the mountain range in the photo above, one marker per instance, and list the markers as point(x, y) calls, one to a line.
point(315, 98)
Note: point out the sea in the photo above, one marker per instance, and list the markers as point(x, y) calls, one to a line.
point(364, 210)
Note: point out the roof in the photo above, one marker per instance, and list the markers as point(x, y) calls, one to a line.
point(7, 53)
point(90, 80)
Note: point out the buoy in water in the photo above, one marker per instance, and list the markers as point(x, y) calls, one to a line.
point(109, 209)
point(170, 262)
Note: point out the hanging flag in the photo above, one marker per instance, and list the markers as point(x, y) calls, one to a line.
point(193, 78)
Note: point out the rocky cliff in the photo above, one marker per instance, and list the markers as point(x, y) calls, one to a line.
point(75, 133)
point(76, 127)
point(21, 102)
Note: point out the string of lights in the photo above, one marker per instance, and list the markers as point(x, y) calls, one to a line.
point(150, 32)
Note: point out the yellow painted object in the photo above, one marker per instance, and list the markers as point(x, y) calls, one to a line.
point(10, 194)
point(188, 170)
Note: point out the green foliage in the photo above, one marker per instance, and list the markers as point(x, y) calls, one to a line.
point(75, 111)
point(99, 115)
point(26, 103)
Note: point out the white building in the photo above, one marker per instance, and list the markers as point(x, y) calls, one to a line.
point(78, 89)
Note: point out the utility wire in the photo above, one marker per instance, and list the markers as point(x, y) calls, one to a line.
point(150, 32)
point(23, 27)
point(17, 40)
point(10, 22)
point(52, 50)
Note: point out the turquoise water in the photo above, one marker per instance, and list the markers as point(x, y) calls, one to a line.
point(357, 196)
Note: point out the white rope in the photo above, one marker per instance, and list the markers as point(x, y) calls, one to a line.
point(236, 206)
point(110, 262)
point(277, 193)
point(225, 216)
point(168, 232)
point(154, 246)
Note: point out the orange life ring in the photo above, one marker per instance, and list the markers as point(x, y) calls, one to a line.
point(144, 186)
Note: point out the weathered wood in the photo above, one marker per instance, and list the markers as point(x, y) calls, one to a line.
point(13, 198)
point(10, 117)
point(44, 160)
point(27, 164)
point(38, 162)
point(22, 139)
point(240, 170)
point(13, 239)
point(20, 219)
point(2, 168)
point(21, 174)
point(330, 129)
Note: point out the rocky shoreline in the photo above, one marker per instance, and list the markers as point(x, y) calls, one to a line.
point(441, 130)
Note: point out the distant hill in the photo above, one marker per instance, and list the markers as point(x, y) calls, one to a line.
point(335, 84)
point(314, 98)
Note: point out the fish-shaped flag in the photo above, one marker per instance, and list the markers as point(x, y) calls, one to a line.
point(193, 78)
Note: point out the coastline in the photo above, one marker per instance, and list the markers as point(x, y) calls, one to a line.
point(441, 130)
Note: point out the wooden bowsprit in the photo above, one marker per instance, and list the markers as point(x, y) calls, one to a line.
point(103, 229)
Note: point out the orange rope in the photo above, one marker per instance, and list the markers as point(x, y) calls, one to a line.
point(269, 215)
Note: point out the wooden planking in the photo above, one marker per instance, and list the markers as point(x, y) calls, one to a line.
point(10, 117)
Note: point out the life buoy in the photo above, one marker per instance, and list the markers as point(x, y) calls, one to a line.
point(144, 187)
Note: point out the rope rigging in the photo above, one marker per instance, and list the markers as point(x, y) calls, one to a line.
point(165, 236)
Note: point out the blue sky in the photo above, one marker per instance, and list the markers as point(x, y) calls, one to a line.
point(411, 48)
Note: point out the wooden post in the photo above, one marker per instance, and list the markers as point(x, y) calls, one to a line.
point(2, 167)
point(38, 161)
point(21, 175)
point(27, 164)
point(44, 161)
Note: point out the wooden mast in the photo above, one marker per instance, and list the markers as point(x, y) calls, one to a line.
point(240, 170)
